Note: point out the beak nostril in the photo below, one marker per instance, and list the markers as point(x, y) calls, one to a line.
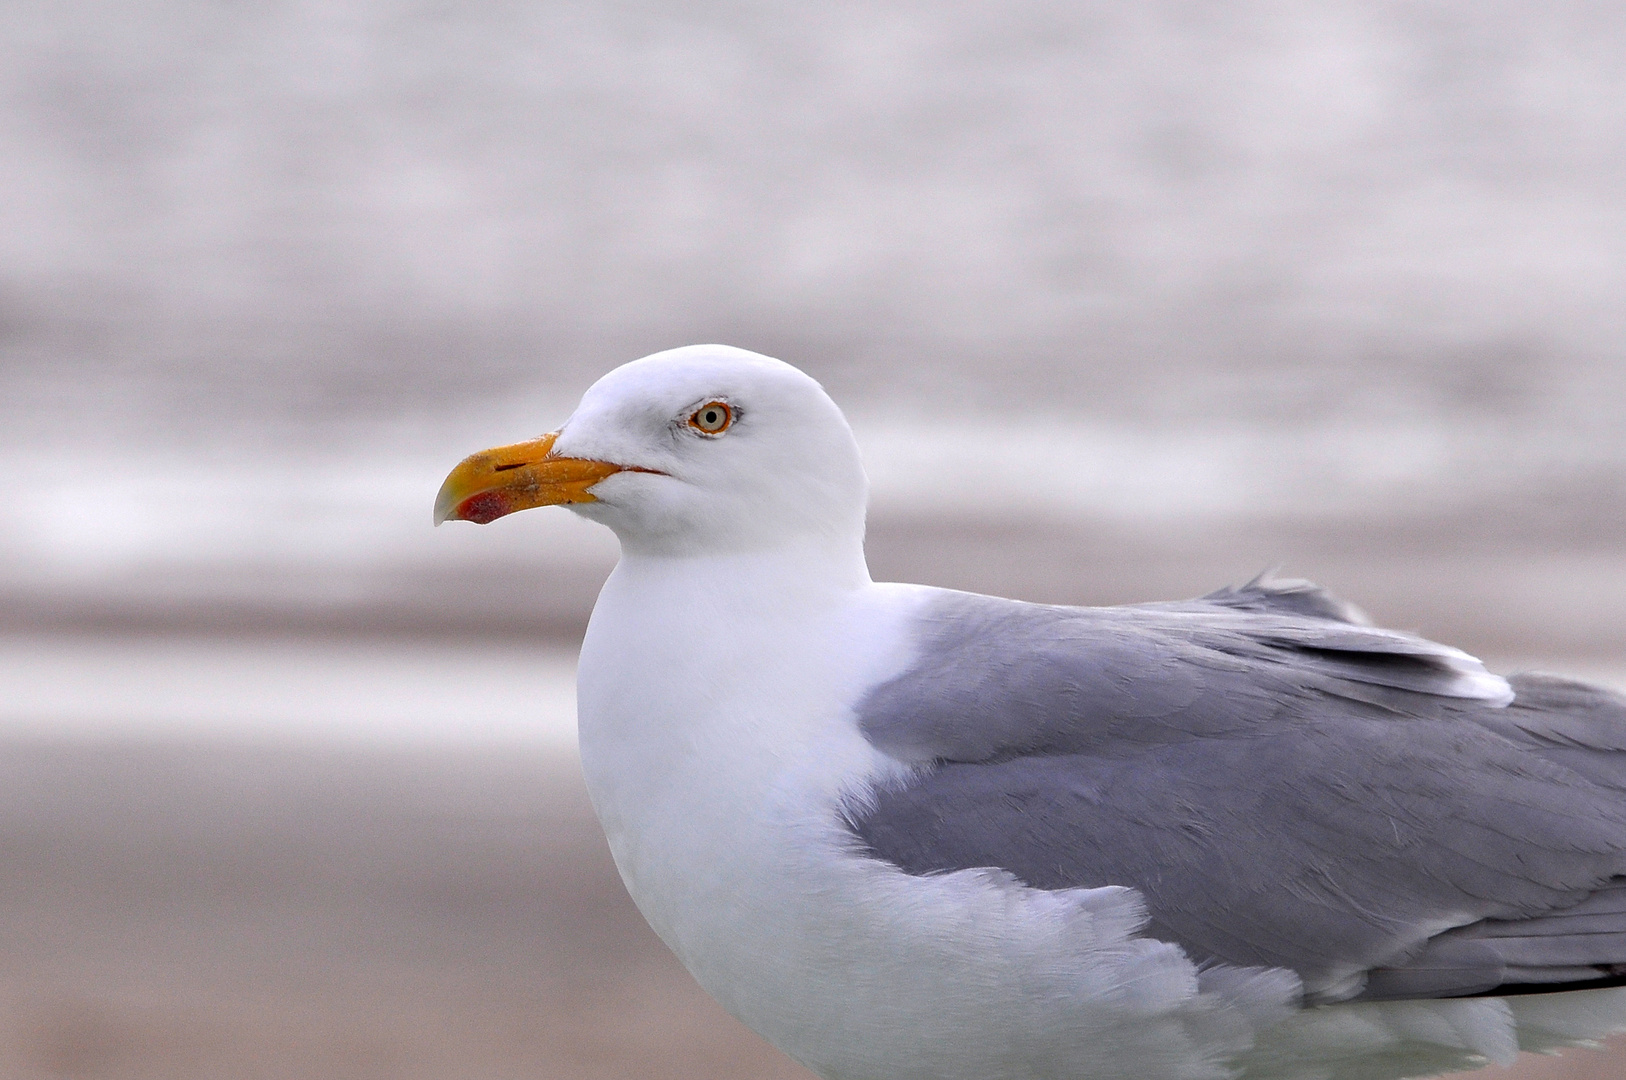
point(505, 468)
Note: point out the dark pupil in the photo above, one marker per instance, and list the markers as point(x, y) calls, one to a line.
point(711, 416)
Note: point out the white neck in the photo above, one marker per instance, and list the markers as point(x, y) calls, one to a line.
point(811, 566)
point(714, 675)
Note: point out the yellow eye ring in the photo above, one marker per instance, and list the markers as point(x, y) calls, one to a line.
point(712, 418)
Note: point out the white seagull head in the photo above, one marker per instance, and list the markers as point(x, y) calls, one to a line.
point(706, 449)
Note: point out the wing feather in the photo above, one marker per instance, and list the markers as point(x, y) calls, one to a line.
point(1285, 786)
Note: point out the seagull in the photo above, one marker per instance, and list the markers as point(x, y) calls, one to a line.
point(909, 833)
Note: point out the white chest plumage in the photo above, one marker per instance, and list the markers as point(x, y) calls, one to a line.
point(718, 742)
point(714, 729)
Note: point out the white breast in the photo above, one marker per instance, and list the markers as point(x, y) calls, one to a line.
point(719, 742)
point(717, 733)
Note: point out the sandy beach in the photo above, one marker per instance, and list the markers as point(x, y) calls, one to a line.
point(188, 910)
point(194, 909)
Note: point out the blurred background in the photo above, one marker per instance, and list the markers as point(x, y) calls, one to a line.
point(1126, 300)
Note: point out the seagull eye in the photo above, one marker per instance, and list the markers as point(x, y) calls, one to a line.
point(712, 418)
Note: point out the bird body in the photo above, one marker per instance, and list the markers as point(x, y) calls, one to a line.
point(729, 746)
point(913, 834)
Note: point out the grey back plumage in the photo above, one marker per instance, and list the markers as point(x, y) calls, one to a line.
point(1284, 784)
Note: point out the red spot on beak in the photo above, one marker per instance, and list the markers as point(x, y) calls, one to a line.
point(484, 508)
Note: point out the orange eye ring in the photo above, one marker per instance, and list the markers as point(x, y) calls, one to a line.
point(712, 418)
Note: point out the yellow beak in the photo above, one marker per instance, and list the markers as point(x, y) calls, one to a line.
point(494, 483)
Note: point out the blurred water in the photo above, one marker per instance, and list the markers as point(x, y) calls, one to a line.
point(338, 522)
point(216, 214)
point(294, 691)
point(1124, 299)
point(266, 272)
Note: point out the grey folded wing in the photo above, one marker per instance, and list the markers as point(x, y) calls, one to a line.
point(1285, 786)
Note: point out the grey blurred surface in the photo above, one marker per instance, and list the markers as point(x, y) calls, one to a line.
point(182, 912)
point(1126, 301)
point(176, 912)
point(1335, 286)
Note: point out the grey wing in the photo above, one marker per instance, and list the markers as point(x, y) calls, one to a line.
point(1284, 789)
